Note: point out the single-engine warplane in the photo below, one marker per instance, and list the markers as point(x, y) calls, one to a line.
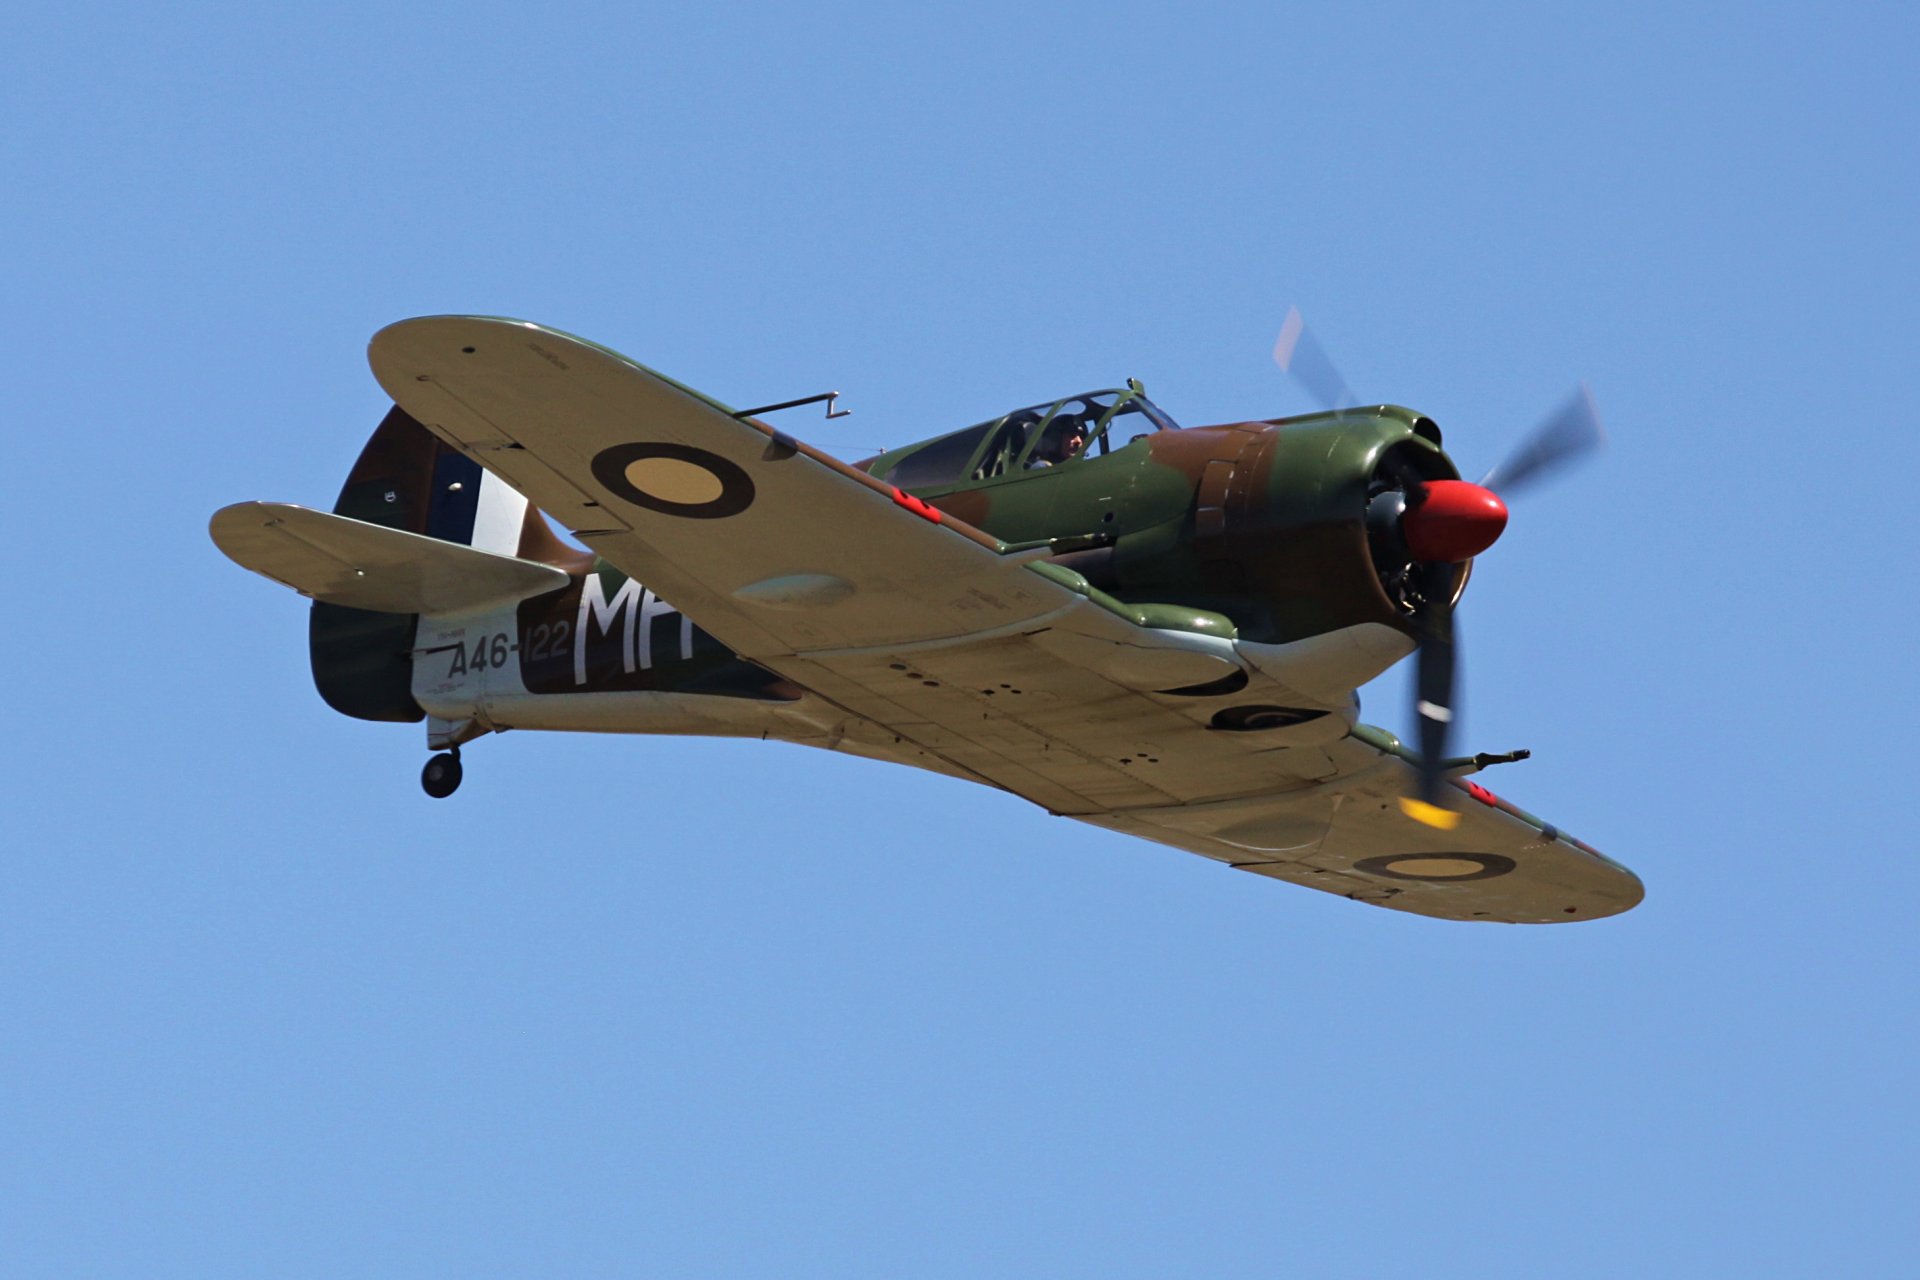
point(1152, 629)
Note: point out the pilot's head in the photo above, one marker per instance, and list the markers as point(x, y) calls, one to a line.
point(1064, 438)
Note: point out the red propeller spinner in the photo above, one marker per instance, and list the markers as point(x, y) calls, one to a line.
point(1448, 521)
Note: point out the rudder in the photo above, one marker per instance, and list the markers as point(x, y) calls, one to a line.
point(406, 478)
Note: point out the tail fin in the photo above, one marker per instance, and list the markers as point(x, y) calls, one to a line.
point(407, 479)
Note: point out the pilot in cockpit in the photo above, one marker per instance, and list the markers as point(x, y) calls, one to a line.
point(1065, 436)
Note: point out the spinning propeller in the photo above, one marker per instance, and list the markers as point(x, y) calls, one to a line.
point(1437, 526)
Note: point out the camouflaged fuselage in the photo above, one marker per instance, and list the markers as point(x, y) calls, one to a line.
point(1261, 523)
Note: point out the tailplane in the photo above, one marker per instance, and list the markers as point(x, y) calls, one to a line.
point(342, 561)
point(394, 549)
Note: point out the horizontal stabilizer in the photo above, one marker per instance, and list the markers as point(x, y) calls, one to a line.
point(368, 566)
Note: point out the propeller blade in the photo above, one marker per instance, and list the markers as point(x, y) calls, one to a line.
point(1569, 432)
point(1301, 357)
point(1434, 697)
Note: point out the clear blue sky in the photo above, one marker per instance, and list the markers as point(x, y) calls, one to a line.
point(636, 1006)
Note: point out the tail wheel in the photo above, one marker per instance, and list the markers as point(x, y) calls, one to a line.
point(441, 777)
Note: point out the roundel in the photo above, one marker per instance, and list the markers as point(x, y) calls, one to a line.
point(674, 479)
point(1437, 868)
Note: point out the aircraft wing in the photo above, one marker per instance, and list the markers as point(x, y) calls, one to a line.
point(1347, 835)
point(1014, 673)
point(771, 546)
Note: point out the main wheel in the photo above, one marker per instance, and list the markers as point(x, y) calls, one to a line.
point(441, 777)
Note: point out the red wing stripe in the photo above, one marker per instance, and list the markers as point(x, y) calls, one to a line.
point(919, 508)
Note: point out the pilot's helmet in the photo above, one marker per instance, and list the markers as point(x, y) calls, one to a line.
point(1061, 432)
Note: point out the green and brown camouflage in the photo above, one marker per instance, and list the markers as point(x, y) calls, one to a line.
point(1263, 521)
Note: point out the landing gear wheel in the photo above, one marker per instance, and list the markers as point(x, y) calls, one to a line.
point(441, 777)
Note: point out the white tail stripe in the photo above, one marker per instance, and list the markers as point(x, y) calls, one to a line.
point(498, 516)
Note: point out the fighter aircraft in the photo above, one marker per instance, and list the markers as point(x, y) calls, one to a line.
point(1155, 630)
